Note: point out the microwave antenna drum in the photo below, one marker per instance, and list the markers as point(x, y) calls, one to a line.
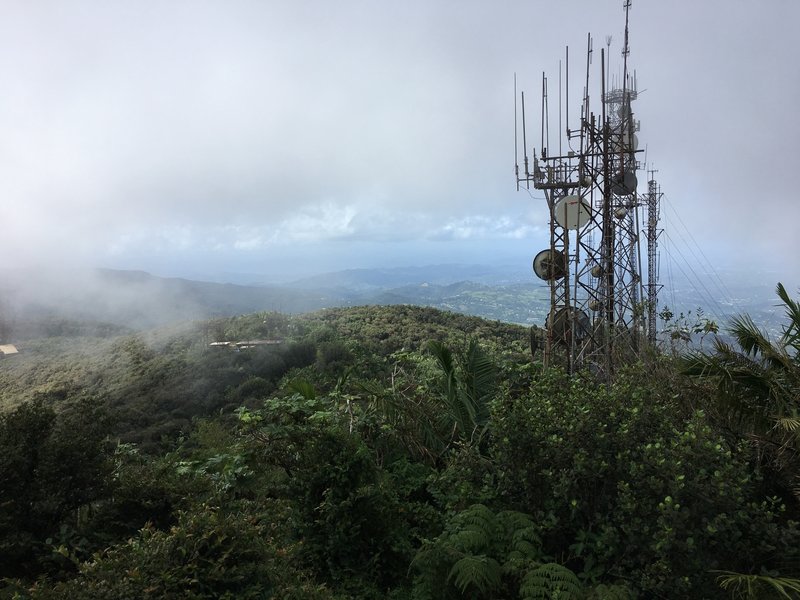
point(549, 264)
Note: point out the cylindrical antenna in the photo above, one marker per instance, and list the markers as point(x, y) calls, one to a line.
point(516, 151)
point(586, 86)
point(603, 83)
point(525, 144)
point(544, 95)
point(546, 115)
point(585, 104)
point(567, 92)
point(560, 152)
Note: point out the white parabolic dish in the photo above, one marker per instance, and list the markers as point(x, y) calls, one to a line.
point(572, 212)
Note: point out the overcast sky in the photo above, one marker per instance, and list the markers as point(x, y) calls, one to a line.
point(287, 137)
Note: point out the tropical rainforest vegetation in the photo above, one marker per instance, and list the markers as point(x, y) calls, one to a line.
point(395, 452)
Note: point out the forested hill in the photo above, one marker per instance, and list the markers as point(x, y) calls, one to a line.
point(391, 452)
point(158, 381)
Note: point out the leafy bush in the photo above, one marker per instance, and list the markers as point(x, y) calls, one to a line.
point(210, 553)
point(359, 523)
point(622, 482)
point(486, 554)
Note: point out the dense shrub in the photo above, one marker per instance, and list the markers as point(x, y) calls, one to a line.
point(210, 553)
point(51, 466)
point(620, 481)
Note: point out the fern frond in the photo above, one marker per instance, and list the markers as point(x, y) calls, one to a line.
point(610, 592)
point(479, 515)
point(479, 572)
point(525, 541)
point(551, 580)
point(475, 529)
point(473, 539)
point(515, 521)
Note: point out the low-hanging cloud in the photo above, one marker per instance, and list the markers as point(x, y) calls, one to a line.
point(162, 129)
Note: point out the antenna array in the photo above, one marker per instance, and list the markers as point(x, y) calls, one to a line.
point(593, 265)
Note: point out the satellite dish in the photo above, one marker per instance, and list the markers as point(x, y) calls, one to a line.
point(565, 320)
point(626, 185)
point(572, 212)
point(620, 212)
point(549, 264)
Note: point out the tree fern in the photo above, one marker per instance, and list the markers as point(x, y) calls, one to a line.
point(481, 552)
point(551, 581)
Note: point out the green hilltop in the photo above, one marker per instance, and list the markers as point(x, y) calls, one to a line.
point(391, 452)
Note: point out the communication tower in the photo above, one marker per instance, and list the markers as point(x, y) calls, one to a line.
point(598, 312)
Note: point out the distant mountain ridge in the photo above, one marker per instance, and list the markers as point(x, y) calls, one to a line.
point(139, 300)
point(445, 274)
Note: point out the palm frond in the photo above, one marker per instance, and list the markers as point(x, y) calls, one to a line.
point(302, 387)
point(467, 391)
point(789, 424)
point(480, 381)
point(756, 343)
point(442, 355)
point(759, 586)
point(791, 332)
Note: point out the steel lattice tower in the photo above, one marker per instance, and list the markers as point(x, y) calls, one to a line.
point(593, 264)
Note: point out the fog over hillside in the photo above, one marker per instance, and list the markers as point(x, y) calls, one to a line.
point(32, 299)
